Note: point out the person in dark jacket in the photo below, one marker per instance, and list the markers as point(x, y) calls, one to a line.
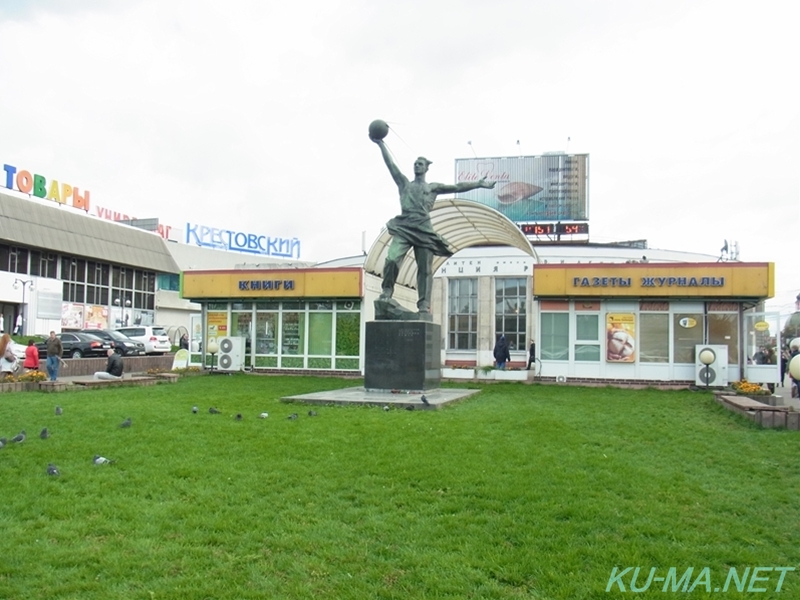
point(54, 352)
point(532, 355)
point(501, 353)
point(114, 367)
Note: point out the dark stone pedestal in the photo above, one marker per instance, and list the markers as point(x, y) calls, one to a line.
point(402, 355)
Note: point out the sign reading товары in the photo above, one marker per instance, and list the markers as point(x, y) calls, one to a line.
point(239, 241)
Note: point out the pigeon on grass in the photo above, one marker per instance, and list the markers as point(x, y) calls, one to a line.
point(44, 434)
point(126, 423)
point(425, 400)
point(263, 415)
point(410, 407)
point(386, 407)
point(312, 413)
point(19, 438)
point(59, 411)
point(3, 442)
point(52, 470)
point(213, 411)
point(194, 409)
point(238, 416)
point(102, 460)
point(292, 416)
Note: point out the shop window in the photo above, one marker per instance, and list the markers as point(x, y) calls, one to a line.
point(348, 335)
point(320, 305)
point(463, 314)
point(293, 333)
point(320, 334)
point(241, 323)
point(554, 336)
point(510, 297)
point(587, 337)
point(723, 329)
point(653, 337)
point(266, 328)
point(687, 332)
point(348, 305)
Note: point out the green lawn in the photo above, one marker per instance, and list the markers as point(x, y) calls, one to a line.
point(518, 492)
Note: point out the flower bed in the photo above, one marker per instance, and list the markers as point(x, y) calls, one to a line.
point(745, 388)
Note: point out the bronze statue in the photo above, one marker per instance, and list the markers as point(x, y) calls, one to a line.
point(412, 229)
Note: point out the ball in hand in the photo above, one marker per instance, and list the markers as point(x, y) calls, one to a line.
point(378, 130)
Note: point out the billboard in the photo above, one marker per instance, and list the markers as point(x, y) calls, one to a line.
point(550, 187)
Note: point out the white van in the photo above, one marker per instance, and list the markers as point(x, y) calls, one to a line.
point(154, 338)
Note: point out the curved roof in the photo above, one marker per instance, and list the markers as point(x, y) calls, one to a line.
point(28, 223)
point(463, 223)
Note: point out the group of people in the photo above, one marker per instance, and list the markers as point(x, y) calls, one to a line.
point(9, 363)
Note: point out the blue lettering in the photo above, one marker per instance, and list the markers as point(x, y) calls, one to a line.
point(585, 282)
point(648, 282)
point(682, 281)
point(255, 285)
point(9, 175)
point(672, 281)
point(288, 284)
point(277, 284)
point(244, 285)
point(595, 281)
point(272, 246)
point(661, 281)
point(605, 281)
point(267, 285)
point(693, 282)
point(625, 282)
point(240, 240)
point(576, 281)
point(260, 244)
point(705, 281)
point(252, 241)
point(192, 230)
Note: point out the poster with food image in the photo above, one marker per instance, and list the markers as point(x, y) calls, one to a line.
point(621, 337)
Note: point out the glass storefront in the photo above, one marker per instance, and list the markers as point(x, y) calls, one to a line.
point(314, 334)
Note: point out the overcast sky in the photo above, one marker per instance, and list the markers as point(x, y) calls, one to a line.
point(253, 115)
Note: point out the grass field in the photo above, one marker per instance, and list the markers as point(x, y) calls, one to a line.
point(518, 492)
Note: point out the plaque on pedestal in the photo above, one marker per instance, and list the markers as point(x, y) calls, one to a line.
point(402, 355)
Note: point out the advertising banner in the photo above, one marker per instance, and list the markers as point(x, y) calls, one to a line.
point(621, 337)
point(551, 187)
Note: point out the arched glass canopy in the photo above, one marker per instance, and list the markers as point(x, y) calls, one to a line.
point(463, 223)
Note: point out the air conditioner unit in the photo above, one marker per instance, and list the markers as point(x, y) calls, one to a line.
point(715, 373)
point(231, 354)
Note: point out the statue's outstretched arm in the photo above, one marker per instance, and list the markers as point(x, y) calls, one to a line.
point(398, 177)
point(464, 186)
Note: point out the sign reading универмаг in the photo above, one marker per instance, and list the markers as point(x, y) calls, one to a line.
point(239, 241)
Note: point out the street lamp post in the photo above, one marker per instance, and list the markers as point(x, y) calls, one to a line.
point(124, 313)
point(26, 283)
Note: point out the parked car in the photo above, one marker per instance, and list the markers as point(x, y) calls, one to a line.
point(121, 342)
point(154, 338)
point(18, 350)
point(78, 345)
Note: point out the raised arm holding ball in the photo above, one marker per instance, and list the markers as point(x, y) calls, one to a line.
point(412, 227)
